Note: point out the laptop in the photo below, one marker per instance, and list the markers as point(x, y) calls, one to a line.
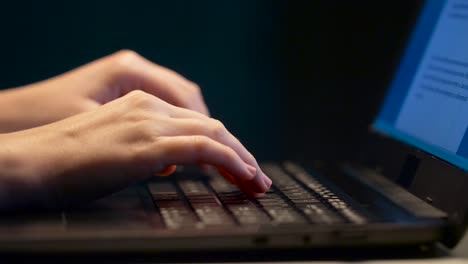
point(406, 187)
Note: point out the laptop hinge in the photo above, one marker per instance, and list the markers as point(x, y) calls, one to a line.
point(394, 193)
point(408, 171)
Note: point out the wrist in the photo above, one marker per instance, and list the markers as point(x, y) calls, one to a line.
point(20, 188)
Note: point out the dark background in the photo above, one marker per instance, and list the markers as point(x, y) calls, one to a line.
point(289, 78)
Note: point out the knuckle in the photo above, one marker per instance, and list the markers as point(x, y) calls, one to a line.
point(140, 99)
point(218, 129)
point(200, 144)
point(228, 154)
point(197, 126)
point(195, 92)
point(137, 93)
point(185, 98)
point(190, 95)
point(125, 58)
point(126, 54)
point(196, 88)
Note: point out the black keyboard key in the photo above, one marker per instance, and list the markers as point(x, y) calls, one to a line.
point(163, 191)
point(221, 186)
point(170, 204)
point(311, 200)
point(213, 215)
point(279, 210)
point(320, 214)
point(193, 188)
point(271, 199)
point(205, 204)
point(240, 206)
point(279, 177)
point(175, 213)
point(248, 214)
point(162, 188)
point(325, 195)
point(197, 193)
point(284, 215)
point(175, 218)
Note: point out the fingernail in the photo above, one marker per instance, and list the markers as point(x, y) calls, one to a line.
point(268, 181)
point(259, 195)
point(266, 184)
point(168, 170)
point(252, 171)
point(265, 176)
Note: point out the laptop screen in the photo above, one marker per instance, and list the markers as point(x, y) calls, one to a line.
point(427, 103)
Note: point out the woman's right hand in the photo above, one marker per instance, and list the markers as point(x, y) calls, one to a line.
point(124, 141)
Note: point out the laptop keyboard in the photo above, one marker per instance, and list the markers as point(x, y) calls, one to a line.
point(295, 198)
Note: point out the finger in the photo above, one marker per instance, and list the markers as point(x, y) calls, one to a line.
point(256, 185)
point(192, 90)
point(200, 106)
point(180, 112)
point(244, 186)
point(212, 129)
point(226, 175)
point(167, 170)
point(198, 103)
point(189, 93)
point(193, 123)
point(204, 166)
point(161, 82)
point(201, 149)
point(216, 131)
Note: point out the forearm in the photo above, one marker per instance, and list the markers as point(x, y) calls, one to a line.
point(12, 111)
point(31, 106)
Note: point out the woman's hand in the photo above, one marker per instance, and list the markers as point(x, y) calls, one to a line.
point(109, 147)
point(92, 85)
